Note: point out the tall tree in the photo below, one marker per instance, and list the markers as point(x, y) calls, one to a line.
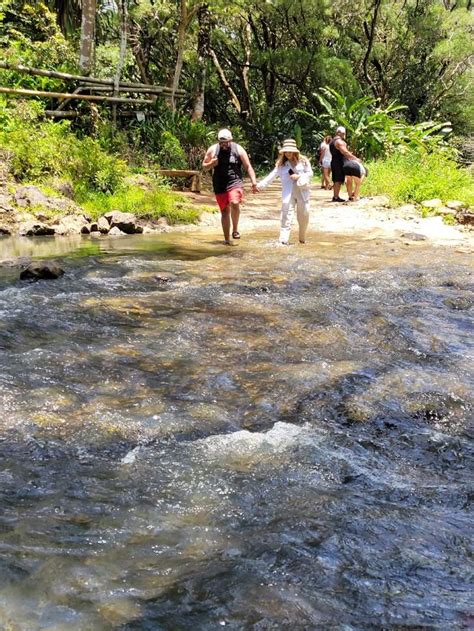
point(89, 8)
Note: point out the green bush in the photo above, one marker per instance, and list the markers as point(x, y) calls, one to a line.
point(92, 168)
point(416, 175)
point(170, 154)
point(36, 152)
point(41, 149)
point(149, 204)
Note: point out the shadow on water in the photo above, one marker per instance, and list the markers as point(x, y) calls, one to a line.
point(257, 440)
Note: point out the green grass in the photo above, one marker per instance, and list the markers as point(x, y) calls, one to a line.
point(148, 204)
point(415, 176)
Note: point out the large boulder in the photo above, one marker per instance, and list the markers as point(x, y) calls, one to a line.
point(42, 270)
point(101, 225)
point(71, 224)
point(126, 222)
point(35, 229)
point(30, 196)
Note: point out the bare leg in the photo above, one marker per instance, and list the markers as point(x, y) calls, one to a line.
point(358, 183)
point(350, 185)
point(225, 222)
point(326, 182)
point(235, 213)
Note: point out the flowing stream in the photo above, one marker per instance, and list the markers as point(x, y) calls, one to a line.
point(199, 437)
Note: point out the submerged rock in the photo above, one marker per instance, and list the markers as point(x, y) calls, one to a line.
point(42, 270)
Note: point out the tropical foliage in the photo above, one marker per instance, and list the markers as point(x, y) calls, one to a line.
point(397, 75)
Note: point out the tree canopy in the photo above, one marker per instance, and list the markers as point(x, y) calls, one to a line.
point(259, 65)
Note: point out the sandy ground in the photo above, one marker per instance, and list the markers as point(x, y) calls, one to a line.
point(369, 217)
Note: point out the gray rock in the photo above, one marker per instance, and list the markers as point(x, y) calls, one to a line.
point(42, 270)
point(431, 203)
point(103, 225)
point(126, 222)
point(72, 224)
point(458, 304)
point(64, 187)
point(35, 229)
point(116, 232)
point(414, 236)
point(455, 205)
point(30, 196)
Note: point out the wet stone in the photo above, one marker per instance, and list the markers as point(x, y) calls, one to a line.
point(414, 236)
point(42, 271)
point(459, 304)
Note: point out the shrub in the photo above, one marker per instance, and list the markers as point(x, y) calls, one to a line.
point(92, 168)
point(149, 204)
point(374, 131)
point(171, 154)
point(416, 175)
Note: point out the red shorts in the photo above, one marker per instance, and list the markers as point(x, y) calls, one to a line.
point(234, 196)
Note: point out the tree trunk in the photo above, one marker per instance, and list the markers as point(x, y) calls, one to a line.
point(87, 35)
point(122, 53)
point(182, 27)
point(204, 37)
point(232, 95)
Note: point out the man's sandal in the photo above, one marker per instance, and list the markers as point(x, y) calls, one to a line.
point(236, 235)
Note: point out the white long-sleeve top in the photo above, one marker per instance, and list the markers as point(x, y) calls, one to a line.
point(288, 185)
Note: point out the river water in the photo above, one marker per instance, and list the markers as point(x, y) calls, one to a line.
point(259, 437)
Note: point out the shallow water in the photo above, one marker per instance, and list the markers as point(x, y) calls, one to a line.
point(197, 437)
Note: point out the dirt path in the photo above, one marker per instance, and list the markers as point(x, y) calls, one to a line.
point(370, 217)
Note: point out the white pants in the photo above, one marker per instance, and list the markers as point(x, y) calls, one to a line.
point(287, 213)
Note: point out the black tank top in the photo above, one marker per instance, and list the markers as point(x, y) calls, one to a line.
point(228, 172)
point(337, 157)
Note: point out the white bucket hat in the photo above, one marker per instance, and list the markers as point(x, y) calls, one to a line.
point(289, 145)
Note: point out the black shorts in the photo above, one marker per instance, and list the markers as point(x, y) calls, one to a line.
point(353, 168)
point(337, 172)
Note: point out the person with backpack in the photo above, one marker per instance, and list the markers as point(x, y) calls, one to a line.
point(227, 158)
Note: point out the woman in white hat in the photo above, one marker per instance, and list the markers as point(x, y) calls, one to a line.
point(295, 173)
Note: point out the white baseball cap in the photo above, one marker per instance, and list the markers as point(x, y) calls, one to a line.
point(341, 130)
point(224, 134)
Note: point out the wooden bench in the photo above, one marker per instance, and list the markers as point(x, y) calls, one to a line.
point(195, 175)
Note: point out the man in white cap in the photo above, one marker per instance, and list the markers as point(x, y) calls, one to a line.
point(227, 158)
point(336, 147)
point(344, 163)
